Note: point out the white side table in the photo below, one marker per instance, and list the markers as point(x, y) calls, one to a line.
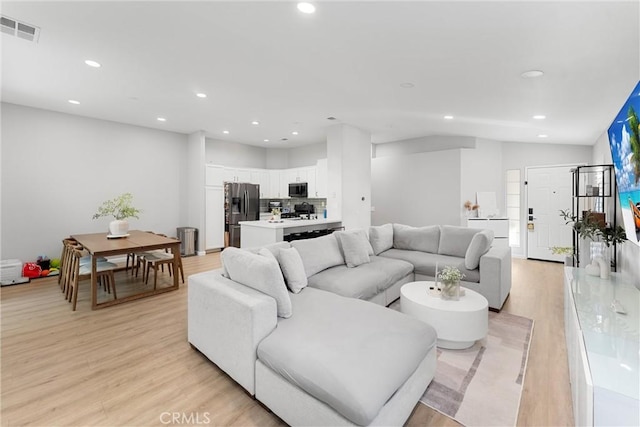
point(459, 324)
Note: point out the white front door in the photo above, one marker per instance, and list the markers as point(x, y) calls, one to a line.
point(548, 192)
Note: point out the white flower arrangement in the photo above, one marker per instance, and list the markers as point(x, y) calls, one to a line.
point(450, 275)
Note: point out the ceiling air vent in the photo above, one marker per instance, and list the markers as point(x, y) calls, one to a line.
point(19, 29)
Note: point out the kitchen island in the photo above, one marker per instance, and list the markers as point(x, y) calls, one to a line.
point(260, 233)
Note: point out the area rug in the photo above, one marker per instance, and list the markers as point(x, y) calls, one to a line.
point(482, 385)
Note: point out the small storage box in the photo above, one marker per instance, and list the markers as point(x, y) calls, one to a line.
point(10, 269)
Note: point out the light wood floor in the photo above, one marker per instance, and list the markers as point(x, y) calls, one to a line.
point(131, 365)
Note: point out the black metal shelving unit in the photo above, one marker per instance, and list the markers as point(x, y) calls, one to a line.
point(594, 190)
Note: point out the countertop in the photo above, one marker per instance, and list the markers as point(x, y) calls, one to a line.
point(289, 223)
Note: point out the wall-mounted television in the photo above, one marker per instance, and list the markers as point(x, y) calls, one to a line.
point(624, 141)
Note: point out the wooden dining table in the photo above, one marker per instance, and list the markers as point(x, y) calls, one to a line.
point(99, 245)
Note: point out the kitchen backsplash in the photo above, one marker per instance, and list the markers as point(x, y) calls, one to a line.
point(319, 204)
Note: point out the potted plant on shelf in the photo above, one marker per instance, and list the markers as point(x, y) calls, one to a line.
point(119, 208)
point(592, 227)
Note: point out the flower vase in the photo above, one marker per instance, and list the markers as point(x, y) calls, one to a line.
point(600, 249)
point(118, 227)
point(450, 290)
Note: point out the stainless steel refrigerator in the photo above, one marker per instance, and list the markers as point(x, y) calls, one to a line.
point(241, 203)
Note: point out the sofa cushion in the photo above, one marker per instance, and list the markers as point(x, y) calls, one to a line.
point(480, 245)
point(343, 362)
point(319, 254)
point(361, 233)
point(381, 238)
point(454, 241)
point(355, 247)
point(424, 263)
point(260, 273)
point(363, 282)
point(274, 248)
point(425, 239)
point(292, 269)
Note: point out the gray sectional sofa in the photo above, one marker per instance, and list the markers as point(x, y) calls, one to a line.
point(293, 323)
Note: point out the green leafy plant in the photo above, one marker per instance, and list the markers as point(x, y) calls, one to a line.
point(562, 250)
point(120, 208)
point(589, 228)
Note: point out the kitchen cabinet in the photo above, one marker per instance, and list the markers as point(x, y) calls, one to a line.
point(214, 175)
point(236, 175)
point(499, 226)
point(214, 221)
point(275, 187)
point(261, 177)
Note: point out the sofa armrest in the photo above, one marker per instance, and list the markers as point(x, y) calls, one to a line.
point(227, 321)
point(495, 275)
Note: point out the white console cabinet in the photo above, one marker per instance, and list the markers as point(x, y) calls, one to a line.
point(499, 226)
point(602, 349)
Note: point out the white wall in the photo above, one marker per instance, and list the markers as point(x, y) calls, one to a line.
point(234, 154)
point(349, 176)
point(195, 186)
point(628, 253)
point(481, 172)
point(423, 145)
point(307, 155)
point(58, 168)
point(417, 189)
point(277, 158)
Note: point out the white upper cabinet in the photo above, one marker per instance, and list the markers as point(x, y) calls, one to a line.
point(214, 175)
point(274, 184)
point(261, 177)
point(236, 175)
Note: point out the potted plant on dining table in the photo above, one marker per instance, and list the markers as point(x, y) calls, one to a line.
point(120, 208)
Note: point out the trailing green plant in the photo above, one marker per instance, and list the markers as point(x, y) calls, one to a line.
point(119, 207)
point(589, 228)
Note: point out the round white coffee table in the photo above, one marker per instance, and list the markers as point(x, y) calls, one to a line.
point(459, 324)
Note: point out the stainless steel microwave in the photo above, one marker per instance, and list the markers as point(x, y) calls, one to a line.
point(298, 189)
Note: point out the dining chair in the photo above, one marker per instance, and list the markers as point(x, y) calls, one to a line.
point(80, 270)
point(68, 245)
point(159, 258)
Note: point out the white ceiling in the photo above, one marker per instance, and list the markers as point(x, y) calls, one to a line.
point(266, 61)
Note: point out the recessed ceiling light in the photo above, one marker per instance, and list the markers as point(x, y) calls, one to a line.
point(448, 117)
point(266, 140)
point(407, 85)
point(539, 117)
point(255, 123)
point(226, 132)
point(92, 63)
point(74, 102)
point(294, 133)
point(284, 139)
point(543, 135)
point(532, 74)
point(331, 118)
point(161, 119)
point(305, 7)
point(201, 95)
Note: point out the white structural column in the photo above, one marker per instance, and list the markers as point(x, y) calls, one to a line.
point(195, 186)
point(349, 176)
